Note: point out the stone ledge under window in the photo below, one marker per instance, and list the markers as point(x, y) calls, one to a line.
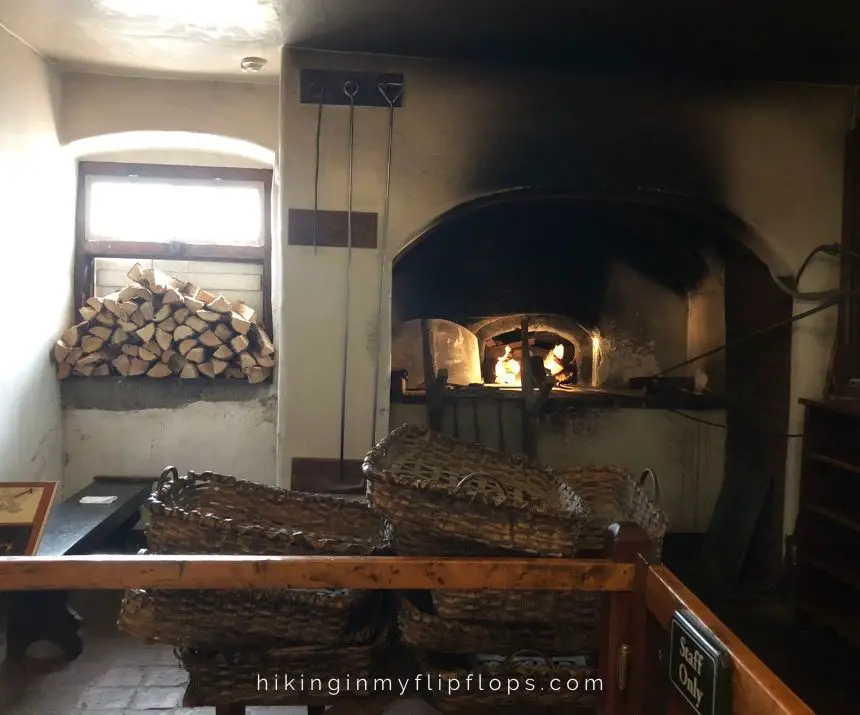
point(144, 393)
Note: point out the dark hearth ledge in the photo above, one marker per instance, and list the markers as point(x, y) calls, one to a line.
point(145, 393)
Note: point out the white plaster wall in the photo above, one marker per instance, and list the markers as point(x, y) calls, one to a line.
point(235, 438)
point(771, 154)
point(36, 218)
point(226, 437)
point(95, 104)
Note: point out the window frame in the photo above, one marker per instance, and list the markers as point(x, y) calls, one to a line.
point(87, 251)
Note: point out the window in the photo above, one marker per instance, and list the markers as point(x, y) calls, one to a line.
point(209, 226)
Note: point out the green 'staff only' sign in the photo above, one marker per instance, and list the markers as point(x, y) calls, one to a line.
point(699, 667)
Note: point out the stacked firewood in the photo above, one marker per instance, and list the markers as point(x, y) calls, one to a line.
point(160, 326)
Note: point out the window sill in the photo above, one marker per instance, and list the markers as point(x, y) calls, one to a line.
point(144, 393)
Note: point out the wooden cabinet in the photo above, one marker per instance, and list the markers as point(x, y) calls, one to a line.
point(827, 586)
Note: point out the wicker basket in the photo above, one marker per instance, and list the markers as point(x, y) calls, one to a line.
point(431, 632)
point(200, 618)
point(614, 495)
point(578, 609)
point(220, 677)
point(410, 540)
point(466, 491)
point(215, 514)
point(525, 679)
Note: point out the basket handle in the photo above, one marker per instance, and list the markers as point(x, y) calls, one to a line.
point(648, 472)
point(498, 482)
point(546, 660)
point(170, 473)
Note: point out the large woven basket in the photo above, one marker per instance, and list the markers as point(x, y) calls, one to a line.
point(461, 490)
point(525, 680)
point(199, 618)
point(215, 514)
point(431, 632)
point(225, 677)
point(615, 495)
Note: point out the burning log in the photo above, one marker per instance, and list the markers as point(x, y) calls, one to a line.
point(160, 326)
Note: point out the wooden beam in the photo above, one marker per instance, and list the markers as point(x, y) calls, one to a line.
point(312, 572)
point(755, 689)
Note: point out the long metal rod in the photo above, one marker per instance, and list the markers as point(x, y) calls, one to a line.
point(383, 253)
point(350, 89)
point(317, 168)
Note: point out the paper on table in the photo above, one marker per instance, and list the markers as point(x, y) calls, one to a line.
point(98, 500)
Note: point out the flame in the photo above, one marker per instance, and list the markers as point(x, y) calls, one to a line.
point(552, 361)
point(507, 369)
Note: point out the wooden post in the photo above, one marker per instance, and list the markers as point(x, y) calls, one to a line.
point(620, 646)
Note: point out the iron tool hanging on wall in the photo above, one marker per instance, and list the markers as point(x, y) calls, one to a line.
point(392, 91)
point(350, 89)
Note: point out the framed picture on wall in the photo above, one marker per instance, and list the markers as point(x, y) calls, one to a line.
point(24, 509)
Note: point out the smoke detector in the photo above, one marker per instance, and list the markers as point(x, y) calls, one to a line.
point(252, 64)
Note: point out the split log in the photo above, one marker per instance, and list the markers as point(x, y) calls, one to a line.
point(137, 367)
point(197, 355)
point(196, 292)
point(163, 338)
point(92, 359)
point(91, 343)
point(186, 345)
point(111, 303)
point(122, 364)
point(134, 292)
point(208, 316)
point(246, 361)
point(196, 324)
point(159, 282)
point(106, 318)
point(182, 332)
point(128, 326)
point(83, 370)
point(73, 335)
point(243, 310)
point(95, 303)
point(126, 310)
point(88, 313)
point(223, 353)
point(219, 305)
point(61, 352)
point(180, 314)
point(210, 340)
point(234, 372)
point(259, 335)
point(101, 370)
point(137, 319)
point(135, 273)
point(212, 368)
point(146, 354)
point(224, 332)
point(167, 355)
point(239, 344)
point(258, 374)
point(119, 336)
point(192, 303)
point(101, 331)
point(146, 333)
point(74, 355)
point(240, 324)
point(146, 310)
point(171, 296)
point(64, 370)
point(264, 360)
point(130, 350)
point(159, 370)
point(163, 313)
point(154, 348)
point(168, 326)
point(189, 371)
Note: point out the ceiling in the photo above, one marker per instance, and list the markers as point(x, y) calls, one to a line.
point(805, 40)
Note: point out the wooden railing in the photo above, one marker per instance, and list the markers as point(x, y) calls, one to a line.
point(640, 599)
